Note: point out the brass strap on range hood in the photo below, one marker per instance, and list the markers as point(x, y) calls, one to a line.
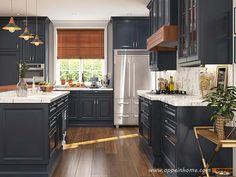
point(165, 39)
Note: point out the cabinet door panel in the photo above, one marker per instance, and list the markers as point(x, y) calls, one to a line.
point(124, 34)
point(87, 108)
point(25, 138)
point(105, 108)
point(8, 40)
point(73, 106)
point(8, 71)
point(142, 28)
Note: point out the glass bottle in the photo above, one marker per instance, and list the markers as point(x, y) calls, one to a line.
point(22, 88)
point(171, 84)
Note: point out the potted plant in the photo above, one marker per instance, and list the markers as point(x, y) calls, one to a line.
point(224, 102)
point(63, 80)
point(70, 79)
point(22, 85)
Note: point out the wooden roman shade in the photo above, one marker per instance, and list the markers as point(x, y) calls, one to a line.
point(80, 44)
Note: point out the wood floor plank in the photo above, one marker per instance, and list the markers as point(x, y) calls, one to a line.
point(84, 168)
point(109, 153)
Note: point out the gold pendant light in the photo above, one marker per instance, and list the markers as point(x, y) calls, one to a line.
point(26, 35)
point(36, 40)
point(11, 26)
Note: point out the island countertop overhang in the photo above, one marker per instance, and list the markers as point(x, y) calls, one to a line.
point(11, 97)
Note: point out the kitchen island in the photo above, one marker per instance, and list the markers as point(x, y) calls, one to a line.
point(32, 131)
point(166, 127)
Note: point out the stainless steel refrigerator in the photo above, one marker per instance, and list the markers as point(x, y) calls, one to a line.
point(131, 73)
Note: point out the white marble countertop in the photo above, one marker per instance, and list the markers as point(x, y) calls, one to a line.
point(82, 89)
point(11, 97)
point(175, 100)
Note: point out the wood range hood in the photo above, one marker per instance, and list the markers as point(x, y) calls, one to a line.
point(165, 39)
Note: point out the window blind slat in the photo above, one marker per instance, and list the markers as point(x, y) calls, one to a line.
point(80, 44)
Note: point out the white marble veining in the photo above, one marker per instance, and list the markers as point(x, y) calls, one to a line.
point(82, 89)
point(175, 100)
point(11, 97)
point(188, 78)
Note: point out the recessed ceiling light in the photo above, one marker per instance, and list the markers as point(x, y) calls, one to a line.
point(18, 14)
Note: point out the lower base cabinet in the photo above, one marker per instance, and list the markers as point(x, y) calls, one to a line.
point(31, 137)
point(173, 145)
point(91, 108)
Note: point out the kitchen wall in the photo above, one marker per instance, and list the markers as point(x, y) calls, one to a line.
point(71, 24)
point(188, 78)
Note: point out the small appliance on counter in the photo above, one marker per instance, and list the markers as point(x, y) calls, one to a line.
point(105, 81)
point(94, 82)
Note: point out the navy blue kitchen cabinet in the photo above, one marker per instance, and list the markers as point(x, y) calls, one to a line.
point(31, 53)
point(205, 32)
point(13, 49)
point(162, 13)
point(167, 11)
point(162, 60)
point(170, 143)
point(31, 137)
point(87, 106)
point(130, 32)
point(150, 129)
point(91, 108)
point(73, 105)
point(9, 54)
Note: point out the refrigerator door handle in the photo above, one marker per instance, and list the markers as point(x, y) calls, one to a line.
point(124, 103)
point(124, 116)
point(134, 79)
point(129, 78)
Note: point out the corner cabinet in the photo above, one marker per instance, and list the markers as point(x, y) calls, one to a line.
point(162, 13)
point(205, 32)
point(169, 140)
point(130, 32)
point(91, 108)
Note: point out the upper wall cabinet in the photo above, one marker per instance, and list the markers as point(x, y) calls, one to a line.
point(13, 49)
point(162, 13)
point(31, 53)
point(167, 12)
point(130, 32)
point(205, 32)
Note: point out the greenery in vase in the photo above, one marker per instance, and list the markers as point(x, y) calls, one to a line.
point(22, 68)
point(63, 77)
point(69, 77)
point(223, 100)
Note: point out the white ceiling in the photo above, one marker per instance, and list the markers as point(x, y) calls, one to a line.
point(77, 9)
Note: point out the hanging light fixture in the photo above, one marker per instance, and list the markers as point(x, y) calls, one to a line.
point(36, 40)
point(11, 26)
point(26, 35)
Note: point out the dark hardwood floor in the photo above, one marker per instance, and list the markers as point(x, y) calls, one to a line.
point(103, 152)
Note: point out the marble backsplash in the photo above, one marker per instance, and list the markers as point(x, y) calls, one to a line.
point(188, 78)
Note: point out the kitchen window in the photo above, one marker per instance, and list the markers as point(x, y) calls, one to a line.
point(80, 52)
point(74, 68)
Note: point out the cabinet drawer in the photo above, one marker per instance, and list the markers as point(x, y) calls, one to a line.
point(168, 150)
point(168, 111)
point(169, 127)
point(122, 106)
point(145, 107)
